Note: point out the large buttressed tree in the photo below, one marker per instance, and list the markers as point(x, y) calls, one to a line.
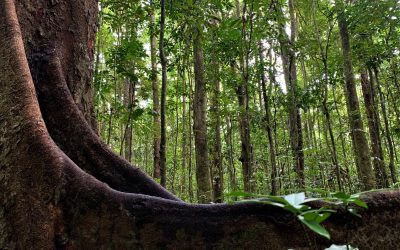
point(61, 187)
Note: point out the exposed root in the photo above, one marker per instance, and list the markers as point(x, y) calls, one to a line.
point(74, 136)
point(134, 221)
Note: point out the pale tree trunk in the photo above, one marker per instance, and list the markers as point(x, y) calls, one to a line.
point(90, 198)
point(203, 176)
point(359, 140)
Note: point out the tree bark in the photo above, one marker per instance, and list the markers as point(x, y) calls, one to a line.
point(268, 124)
point(48, 202)
point(163, 139)
point(386, 123)
point(216, 151)
point(290, 73)
point(360, 143)
point(156, 101)
point(242, 93)
point(374, 131)
point(129, 98)
point(203, 176)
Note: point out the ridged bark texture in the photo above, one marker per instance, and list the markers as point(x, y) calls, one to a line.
point(360, 143)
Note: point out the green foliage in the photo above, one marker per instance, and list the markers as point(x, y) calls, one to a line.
point(123, 52)
point(308, 215)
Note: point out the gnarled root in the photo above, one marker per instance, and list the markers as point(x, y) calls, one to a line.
point(73, 135)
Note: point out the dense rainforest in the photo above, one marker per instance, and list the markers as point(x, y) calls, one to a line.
point(263, 96)
point(143, 125)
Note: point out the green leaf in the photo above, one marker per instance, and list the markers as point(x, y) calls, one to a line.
point(323, 217)
point(316, 215)
point(315, 226)
point(137, 113)
point(341, 195)
point(359, 202)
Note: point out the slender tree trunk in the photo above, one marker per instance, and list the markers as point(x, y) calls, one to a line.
point(268, 124)
point(331, 137)
point(163, 139)
point(323, 51)
point(203, 176)
point(360, 143)
point(386, 123)
point(190, 163)
point(129, 97)
point(156, 100)
point(342, 140)
point(184, 134)
point(110, 117)
point(378, 162)
point(177, 132)
point(243, 99)
point(290, 72)
point(229, 155)
point(216, 154)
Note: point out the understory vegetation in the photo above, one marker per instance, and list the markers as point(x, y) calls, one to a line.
point(266, 96)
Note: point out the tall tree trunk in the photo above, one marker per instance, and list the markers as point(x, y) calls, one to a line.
point(230, 155)
point(323, 51)
point(290, 72)
point(342, 140)
point(268, 124)
point(243, 99)
point(176, 135)
point(360, 143)
point(156, 101)
point(203, 176)
point(184, 133)
point(129, 97)
point(378, 162)
point(163, 139)
point(190, 104)
point(216, 154)
point(386, 122)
